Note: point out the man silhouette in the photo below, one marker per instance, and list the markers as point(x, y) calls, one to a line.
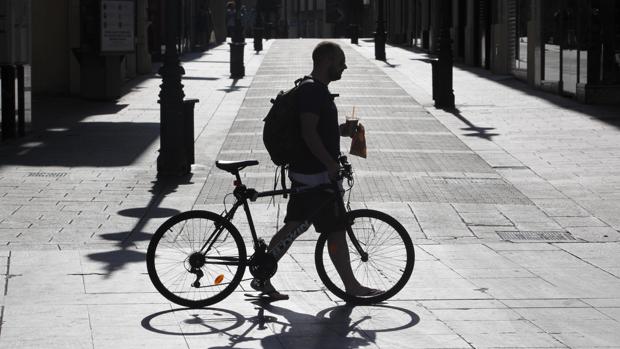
point(316, 164)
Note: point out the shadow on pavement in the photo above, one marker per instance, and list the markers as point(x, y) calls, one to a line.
point(609, 114)
point(336, 327)
point(155, 212)
point(61, 137)
point(233, 87)
point(477, 131)
point(125, 241)
point(206, 78)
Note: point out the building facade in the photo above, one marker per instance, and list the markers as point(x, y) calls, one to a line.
point(569, 47)
point(325, 18)
point(15, 68)
point(88, 48)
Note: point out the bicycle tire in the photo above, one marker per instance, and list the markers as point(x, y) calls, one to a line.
point(181, 249)
point(373, 240)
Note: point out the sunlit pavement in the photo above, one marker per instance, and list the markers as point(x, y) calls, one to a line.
point(511, 201)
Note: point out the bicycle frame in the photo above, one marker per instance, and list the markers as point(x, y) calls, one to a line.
point(242, 194)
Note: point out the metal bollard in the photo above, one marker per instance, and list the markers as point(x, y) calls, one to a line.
point(354, 33)
point(435, 75)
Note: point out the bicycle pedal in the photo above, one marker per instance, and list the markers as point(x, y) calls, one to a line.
point(257, 284)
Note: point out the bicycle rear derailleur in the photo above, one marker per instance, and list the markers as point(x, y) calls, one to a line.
point(196, 260)
point(262, 265)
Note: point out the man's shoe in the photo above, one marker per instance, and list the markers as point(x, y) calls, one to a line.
point(267, 291)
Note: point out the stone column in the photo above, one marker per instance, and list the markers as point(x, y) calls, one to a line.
point(143, 56)
point(534, 45)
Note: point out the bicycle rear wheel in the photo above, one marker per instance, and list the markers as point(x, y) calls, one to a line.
point(174, 259)
point(390, 257)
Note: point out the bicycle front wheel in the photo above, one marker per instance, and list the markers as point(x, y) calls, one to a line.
point(196, 258)
point(387, 265)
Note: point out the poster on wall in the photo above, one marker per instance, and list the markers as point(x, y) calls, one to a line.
point(117, 26)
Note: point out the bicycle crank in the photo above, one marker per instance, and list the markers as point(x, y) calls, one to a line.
point(263, 265)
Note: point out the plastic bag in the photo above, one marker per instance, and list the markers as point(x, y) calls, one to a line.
point(358, 143)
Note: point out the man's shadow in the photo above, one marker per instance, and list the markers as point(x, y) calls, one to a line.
point(300, 330)
point(343, 326)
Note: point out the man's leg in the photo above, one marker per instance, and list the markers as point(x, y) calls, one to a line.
point(339, 254)
point(278, 246)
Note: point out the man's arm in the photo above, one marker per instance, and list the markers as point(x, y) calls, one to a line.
point(309, 122)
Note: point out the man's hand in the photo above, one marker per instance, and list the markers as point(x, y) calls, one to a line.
point(332, 170)
point(348, 129)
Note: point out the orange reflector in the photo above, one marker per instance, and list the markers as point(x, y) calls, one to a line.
point(219, 279)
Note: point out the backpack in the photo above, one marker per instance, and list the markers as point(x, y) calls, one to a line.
point(281, 134)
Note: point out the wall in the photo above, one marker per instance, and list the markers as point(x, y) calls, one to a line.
point(50, 47)
point(470, 34)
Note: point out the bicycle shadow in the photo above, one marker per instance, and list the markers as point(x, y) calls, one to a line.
point(343, 326)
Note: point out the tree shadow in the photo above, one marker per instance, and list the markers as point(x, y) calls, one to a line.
point(343, 326)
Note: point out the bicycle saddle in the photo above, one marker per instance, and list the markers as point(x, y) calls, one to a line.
point(234, 166)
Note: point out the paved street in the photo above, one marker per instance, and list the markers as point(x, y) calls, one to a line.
point(511, 202)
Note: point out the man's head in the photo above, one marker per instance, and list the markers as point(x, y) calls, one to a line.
point(328, 57)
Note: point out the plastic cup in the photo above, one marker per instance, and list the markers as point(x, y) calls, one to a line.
point(351, 121)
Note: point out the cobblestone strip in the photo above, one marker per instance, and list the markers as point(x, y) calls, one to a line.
point(89, 177)
point(555, 151)
point(413, 158)
point(402, 137)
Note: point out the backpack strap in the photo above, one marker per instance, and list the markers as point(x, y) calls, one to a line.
point(283, 168)
point(283, 180)
point(304, 79)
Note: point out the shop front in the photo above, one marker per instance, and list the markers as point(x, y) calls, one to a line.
point(15, 68)
point(579, 47)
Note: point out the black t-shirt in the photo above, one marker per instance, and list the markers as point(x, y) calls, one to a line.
point(314, 97)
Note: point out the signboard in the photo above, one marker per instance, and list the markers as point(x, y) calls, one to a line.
point(117, 26)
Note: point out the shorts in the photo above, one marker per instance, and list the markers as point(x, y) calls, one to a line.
point(301, 206)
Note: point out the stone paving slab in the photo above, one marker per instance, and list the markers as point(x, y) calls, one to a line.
point(74, 232)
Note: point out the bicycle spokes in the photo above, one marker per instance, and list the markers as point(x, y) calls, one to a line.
point(185, 274)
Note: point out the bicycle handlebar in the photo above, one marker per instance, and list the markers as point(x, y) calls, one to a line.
point(346, 171)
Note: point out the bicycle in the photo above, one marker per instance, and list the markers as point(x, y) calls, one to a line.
point(197, 245)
